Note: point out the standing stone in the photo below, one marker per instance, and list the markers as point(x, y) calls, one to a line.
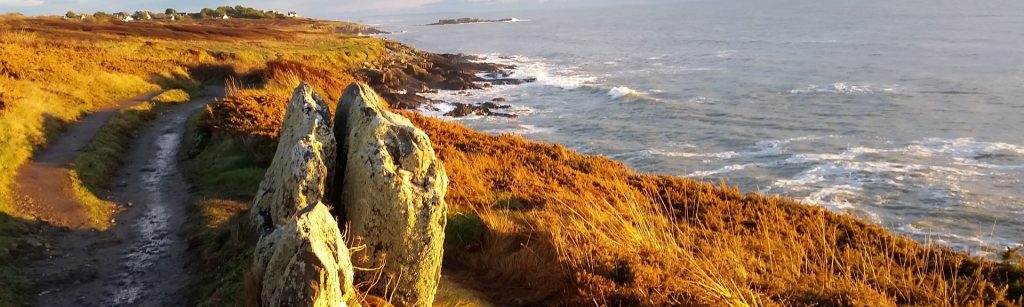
point(393, 196)
point(304, 263)
point(304, 158)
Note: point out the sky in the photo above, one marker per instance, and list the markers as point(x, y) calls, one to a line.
point(328, 9)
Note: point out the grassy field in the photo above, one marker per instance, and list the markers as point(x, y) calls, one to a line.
point(529, 223)
point(52, 71)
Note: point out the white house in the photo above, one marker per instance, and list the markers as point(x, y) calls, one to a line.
point(293, 15)
point(225, 17)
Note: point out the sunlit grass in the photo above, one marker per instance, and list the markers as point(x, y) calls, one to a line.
point(52, 72)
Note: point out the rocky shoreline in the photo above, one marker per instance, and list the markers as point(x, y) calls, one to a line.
point(464, 20)
point(405, 73)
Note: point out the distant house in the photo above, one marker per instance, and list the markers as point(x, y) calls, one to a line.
point(124, 17)
point(225, 17)
point(293, 15)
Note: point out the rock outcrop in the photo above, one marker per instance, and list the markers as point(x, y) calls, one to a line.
point(300, 169)
point(392, 190)
point(305, 263)
point(301, 258)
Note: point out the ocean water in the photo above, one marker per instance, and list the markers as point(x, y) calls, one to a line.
point(907, 113)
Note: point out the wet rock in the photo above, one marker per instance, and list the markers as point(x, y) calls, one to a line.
point(305, 155)
point(498, 99)
point(392, 191)
point(492, 105)
point(485, 109)
point(304, 263)
point(407, 70)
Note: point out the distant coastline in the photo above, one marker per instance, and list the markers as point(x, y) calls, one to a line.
point(465, 20)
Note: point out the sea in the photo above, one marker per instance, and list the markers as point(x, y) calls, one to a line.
point(909, 113)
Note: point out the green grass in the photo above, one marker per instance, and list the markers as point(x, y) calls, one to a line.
point(94, 168)
point(224, 171)
point(13, 284)
point(223, 252)
point(222, 165)
point(175, 96)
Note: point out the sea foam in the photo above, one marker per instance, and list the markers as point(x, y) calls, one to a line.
point(621, 91)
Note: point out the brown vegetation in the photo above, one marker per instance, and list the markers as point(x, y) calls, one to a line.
point(552, 216)
point(530, 223)
point(534, 223)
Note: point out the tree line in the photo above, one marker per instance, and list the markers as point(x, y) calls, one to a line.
point(237, 11)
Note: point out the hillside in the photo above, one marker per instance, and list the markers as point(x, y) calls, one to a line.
point(528, 223)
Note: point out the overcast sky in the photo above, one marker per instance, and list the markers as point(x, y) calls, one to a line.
point(330, 9)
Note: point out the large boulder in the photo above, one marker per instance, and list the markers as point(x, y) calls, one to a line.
point(304, 263)
point(304, 158)
point(392, 191)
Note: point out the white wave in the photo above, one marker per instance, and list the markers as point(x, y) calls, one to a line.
point(436, 109)
point(565, 77)
point(700, 99)
point(812, 158)
point(838, 88)
point(725, 169)
point(717, 155)
point(962, 147)
point(725, 53)
point(522, 129)
point(932, 231)
point(621, 91)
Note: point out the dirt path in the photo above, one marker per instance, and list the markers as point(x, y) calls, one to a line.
point(141, 260)
point(44, 184)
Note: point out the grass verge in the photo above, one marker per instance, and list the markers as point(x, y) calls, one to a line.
point(13, 284)
point(94, 168)
point(228, 177)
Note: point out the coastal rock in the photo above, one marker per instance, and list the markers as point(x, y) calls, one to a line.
point(392, 190)
point(304, 263)
point(403, 72)
point(485, 109)
point(304, 158)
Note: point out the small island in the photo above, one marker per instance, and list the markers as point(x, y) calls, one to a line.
point(457, 21)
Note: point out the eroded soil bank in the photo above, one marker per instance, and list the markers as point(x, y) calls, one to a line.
point(141, 260)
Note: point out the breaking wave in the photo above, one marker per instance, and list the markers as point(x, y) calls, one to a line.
point(844, 88)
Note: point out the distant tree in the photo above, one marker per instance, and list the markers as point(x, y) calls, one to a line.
point(102, 17)
point(71, 15)
point(170, 11)
point(140, 15)
point(207, 13)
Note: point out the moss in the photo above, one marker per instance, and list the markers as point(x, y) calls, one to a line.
point(462, 231)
